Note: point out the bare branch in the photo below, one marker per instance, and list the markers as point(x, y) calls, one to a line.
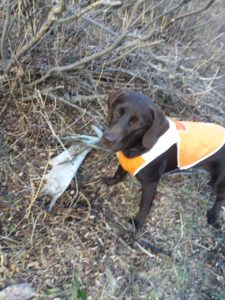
point(133, 46)
point(82, 98)
point(56, 10)
point(95, 55)
point(100, 25)
point(144, 250)
point(84, 111)
point(164, 14)
point(89, 8)
point(191, 13)
point(5, 32)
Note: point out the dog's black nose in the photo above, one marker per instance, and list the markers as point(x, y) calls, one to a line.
point(109, 137)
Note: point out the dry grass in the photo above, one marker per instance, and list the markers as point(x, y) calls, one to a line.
point(85, 248)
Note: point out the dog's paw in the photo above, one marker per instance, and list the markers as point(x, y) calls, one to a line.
point(136, 223)
point(108, 180)
point(212, 217)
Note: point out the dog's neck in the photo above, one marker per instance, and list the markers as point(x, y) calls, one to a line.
point(169, 137)
point(135, 151)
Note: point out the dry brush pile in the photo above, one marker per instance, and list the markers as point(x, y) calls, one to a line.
point(59, 60)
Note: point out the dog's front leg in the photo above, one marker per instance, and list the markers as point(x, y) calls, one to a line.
point(148, 193)
point(214, 213)
point(119, 176)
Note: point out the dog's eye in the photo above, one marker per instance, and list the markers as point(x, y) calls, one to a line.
point(121, 111)
point(118, 113)
point(133, 121)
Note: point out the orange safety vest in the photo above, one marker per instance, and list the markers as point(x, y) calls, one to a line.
point(195, 141)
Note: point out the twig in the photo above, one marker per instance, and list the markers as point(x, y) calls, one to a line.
point(134, 239)
point(95, 55)
point(88, 203)
point(54, 134)
point(5, 204)
point(210, 84)
point(3, 109)
point(102, 26)
point(135, 45)
point(51, 127)
point(89, 8)
point(215, 108)
point(82, 98)
point(2, 238)
point(191, 13)
point(217, 94)
point(153, 248)
point(72, 100)
point(181, 232)
point(35, 194)
point(54, 97)
point(94, 22)
point(5, 32)
point(16, 176)
point(125, 71)
point(162, 15)
point(56, 10)
point(121, 240)
point(144, 250)
point(74, 139)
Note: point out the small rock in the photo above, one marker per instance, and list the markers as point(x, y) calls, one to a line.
point(21, 291)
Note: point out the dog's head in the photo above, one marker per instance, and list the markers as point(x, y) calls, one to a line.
point(134, 121)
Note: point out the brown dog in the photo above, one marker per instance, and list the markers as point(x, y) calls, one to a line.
point(148, 145)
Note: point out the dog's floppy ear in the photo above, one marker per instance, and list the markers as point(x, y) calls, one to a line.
point(159, 126)
point(113, 97)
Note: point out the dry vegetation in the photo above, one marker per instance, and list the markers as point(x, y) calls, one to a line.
point(58, 62)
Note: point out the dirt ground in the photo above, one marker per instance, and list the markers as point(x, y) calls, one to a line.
point(85, 248)
point(86, 245)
